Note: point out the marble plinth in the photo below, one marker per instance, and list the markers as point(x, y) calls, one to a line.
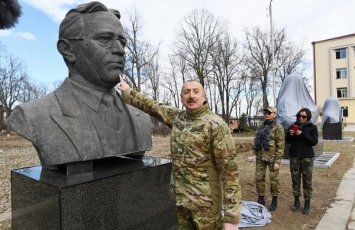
point(117, 194)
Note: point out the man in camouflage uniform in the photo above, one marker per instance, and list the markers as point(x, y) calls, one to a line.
point(205, 176)
point(269, 144)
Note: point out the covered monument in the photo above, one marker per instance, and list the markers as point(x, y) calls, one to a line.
point(331, 119)
point(292, 97)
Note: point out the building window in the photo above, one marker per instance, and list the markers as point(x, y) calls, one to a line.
point(341, 73)
point(342, 92)
point(340, 53)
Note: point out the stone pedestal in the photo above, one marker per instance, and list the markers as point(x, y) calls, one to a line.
point(332, 131)
point(118, 194)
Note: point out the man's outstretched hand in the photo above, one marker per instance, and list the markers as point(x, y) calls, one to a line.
point(122, 85)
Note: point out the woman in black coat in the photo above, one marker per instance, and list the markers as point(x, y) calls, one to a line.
point(302, 136)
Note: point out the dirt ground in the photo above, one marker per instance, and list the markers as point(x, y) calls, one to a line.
point(16, 152)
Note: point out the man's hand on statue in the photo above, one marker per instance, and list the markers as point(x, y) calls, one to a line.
point(122, 85)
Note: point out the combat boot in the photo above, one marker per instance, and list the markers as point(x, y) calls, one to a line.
point(273, 206)
point(261, 200)
point(296, 204)
point(307, 207)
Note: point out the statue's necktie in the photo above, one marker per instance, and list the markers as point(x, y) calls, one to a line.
point(111, 115)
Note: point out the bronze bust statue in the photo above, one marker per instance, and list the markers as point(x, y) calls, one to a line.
point(85, 118)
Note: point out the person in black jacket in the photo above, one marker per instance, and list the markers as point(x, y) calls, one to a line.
point(302, 136)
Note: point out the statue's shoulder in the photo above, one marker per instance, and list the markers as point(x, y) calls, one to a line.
point(28, 115)
point(49, 101)
point(38, 105)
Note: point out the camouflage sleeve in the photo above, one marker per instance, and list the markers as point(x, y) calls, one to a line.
point(279, 143)
point(226, 160)
point(165, 114)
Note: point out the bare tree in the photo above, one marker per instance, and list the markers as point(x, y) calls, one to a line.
point(32, 91)
point(290, 60)
point(153, 74)
point(165, 97)
point(15, 85)
point(288, 57)
point(171, 81)
point(198, 33)
point(139, 51)
point(259, 56)
point(57, 83)
point(252, 91)
point(226, 76)
point(212, 95)
point(13, 82)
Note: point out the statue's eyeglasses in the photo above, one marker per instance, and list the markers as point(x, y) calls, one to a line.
point(104, 41)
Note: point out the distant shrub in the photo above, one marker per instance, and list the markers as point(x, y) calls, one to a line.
point(243, 123)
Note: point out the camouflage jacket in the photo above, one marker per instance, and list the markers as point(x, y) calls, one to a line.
point(203, 157)
point(274, 150)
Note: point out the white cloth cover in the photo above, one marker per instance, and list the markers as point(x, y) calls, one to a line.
point(293, 96)
point(331, 111)
point(253, 214)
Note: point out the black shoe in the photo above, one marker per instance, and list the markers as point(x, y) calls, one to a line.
point(307, 207)
point(296, 204)
point(273, 206)
point(261, 200)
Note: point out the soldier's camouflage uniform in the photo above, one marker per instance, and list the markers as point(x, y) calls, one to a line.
point(267, 156)
point(204, 160)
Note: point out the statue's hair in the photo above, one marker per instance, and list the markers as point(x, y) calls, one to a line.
point(73, 20)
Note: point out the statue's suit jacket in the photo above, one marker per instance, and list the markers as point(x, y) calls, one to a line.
point(62, 132)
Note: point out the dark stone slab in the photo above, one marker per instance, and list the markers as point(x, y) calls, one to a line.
point(332, 131)
point(118, 194)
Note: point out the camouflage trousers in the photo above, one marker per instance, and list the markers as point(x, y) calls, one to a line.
point(260, 173)
point(301, 167)
point(196, 220)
